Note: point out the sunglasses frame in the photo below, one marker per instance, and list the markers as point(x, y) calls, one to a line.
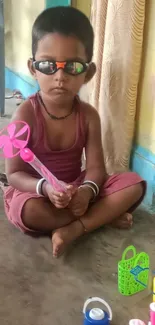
point(60, 65)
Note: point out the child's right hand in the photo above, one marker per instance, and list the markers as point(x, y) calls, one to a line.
point(59, 199)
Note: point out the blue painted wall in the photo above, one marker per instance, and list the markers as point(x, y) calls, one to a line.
point(143, 163)
point(54, 3)
point(25, 84)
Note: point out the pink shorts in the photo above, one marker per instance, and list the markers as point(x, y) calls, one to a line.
point(14, 200)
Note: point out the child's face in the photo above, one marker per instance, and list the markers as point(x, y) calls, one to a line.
point(58, 47)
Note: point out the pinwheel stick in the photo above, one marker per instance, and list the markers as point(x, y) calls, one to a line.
point(28, 156)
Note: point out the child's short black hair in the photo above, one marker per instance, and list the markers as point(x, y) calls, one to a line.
point(67, 21)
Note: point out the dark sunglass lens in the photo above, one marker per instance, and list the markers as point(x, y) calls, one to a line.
point(46, 67)
point(74, 68)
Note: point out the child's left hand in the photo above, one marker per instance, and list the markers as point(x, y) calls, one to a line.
point(80, 201)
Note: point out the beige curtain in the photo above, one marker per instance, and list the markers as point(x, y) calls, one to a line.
point(118, 27)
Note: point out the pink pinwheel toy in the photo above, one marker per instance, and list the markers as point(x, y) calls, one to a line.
point(12, 145)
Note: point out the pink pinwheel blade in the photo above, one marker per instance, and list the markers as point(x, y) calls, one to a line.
point(3, 140)
point(8, 150)
point(11, 129)
point(19, 144)
point(22, 131)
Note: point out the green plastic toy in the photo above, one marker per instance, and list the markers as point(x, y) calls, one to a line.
point(133, 273)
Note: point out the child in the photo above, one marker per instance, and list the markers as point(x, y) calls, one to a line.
point(61, 127)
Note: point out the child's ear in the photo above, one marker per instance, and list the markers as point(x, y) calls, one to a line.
point(31, 68)
point(90, 72)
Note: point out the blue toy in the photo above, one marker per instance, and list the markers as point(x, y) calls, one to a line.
point(96, 316)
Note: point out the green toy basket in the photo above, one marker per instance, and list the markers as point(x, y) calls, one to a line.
point(131, 283)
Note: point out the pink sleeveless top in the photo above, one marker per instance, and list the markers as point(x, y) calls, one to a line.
point(64, 164)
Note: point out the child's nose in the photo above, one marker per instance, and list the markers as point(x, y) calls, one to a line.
point(60, 75)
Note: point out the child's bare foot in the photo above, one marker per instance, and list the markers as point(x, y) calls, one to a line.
point(124, 222)
point(64, 236)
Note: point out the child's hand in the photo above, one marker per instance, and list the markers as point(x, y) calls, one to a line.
point(59, 199)
point(80, 201)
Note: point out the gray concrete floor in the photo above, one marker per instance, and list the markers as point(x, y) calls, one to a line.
point(36, 289)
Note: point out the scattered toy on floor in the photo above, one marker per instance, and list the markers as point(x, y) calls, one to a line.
point(136, 322)
point(154, 289)
point(96, 316)
point(133, 273)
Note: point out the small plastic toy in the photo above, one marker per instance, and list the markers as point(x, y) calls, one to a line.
point(136, 322)
point(133, 273)
point(12, 145)
point(152, 317)
point(152, 313)
point(96, 316)
point(154, 289)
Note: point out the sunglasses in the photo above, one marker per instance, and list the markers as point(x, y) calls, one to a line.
point(73, 68)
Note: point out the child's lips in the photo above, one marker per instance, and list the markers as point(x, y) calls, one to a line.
point(60, 90)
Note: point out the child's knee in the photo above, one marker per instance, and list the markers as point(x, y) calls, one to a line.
point(139, 189)
point(31, 211)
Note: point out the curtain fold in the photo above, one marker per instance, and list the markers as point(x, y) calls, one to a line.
point(118, 27)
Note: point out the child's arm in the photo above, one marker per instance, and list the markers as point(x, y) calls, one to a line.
point(95, 168)
point(17, 170)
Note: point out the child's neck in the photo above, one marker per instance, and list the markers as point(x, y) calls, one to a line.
point(57, 108)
